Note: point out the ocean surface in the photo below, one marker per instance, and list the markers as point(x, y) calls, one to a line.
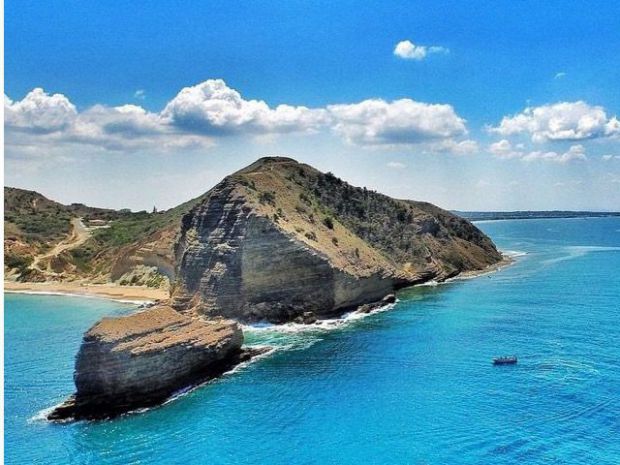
point(412, 384)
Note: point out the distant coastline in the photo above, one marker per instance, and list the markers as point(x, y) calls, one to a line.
point(531, 214)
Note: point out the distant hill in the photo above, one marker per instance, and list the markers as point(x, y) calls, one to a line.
point(533, 214)
point(122, 245)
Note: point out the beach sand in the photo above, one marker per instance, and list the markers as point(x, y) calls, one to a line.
point(109, 291)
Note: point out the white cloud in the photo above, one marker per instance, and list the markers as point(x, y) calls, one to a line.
point(505, 149)
point(562, 121)
point(39, 112)
point(199, 114)
point(396, 165)
point(407, 50)
point(140, 94)
point(464, 147)
point(575, 152)
point(610, 157)
point(560, 75)
point(212, 107)
point(405, 121)
point(44, 123)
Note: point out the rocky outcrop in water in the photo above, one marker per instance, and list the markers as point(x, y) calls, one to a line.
point(140, 360)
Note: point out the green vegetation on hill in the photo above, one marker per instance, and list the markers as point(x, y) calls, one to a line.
point(34, 224)
point(389, 225)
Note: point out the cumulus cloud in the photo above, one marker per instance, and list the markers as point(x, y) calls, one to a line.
point(506, 150)
point(407, 50)
point(396, 165)
point(405, 121)
point(199, 114)
point(51, 121)
point(212, 107)
point(39, 112)
point(564, 121)
point(575, 152)
point(610, 157)
point(464, 147)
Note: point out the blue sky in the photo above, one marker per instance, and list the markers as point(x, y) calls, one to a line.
point(488, 105)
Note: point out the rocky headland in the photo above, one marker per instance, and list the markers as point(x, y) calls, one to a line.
point(278, 241)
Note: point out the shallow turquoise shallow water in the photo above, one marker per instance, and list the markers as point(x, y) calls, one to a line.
point(410, 385)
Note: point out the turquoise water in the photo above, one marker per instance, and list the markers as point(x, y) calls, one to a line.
point(410, 385)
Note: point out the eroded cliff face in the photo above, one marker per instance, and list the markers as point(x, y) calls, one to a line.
point(139, 360)
point(263, 246)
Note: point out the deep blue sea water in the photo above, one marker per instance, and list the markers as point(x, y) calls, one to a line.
point(413, 384)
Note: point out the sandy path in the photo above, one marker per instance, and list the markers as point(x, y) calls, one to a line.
point(79, 235)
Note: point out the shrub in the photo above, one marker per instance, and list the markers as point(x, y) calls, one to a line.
point(305, 199)
point(311, 235)
point(329, 222)
point(21, 262)
point(267, 198)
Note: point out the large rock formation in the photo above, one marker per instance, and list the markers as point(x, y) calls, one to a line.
point(140, 360)
point(280, 239)
point(277, 241)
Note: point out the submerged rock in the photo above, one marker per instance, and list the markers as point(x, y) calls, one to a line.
point(370, 307)
point(140, 360)
point(307, 318)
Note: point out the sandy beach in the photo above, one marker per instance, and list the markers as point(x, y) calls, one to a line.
point(109, 291)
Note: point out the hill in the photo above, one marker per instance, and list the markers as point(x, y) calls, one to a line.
point(273, 241)
point(47, 241)
point(279, 239)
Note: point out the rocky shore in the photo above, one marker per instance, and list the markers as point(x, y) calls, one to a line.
point(140, 360)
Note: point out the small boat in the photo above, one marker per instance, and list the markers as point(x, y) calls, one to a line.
point(506, 360)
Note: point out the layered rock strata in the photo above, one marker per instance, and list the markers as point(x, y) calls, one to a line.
point(279, 240)
point(140, 360)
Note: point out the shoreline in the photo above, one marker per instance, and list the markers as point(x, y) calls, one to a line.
point(141, 294)
point(506, 260)
point(131, 294)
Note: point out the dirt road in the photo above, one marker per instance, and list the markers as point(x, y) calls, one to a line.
point(78, 236)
